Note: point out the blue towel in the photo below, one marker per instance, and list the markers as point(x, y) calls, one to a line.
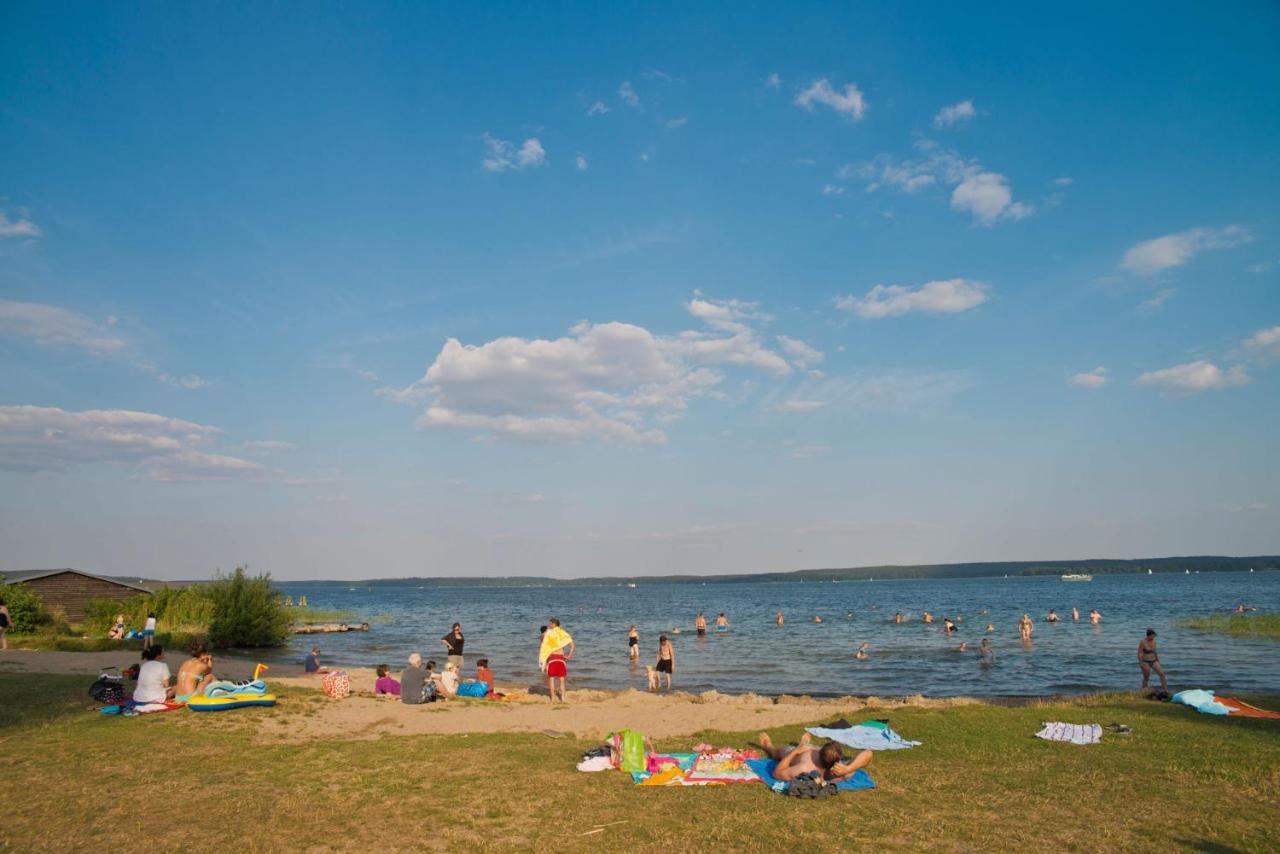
point(865, 737)
point(1201, 701)
point(764, 770)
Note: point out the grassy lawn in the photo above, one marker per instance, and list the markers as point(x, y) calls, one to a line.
point(1258, 625)
point(77, 780)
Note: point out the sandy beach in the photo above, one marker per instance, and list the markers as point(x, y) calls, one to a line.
point(588, 714)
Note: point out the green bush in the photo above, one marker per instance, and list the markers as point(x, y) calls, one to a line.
point(187, 608)
point(26, 611)
point(246, 612)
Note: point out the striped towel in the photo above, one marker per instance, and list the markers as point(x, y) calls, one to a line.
point(1074, 733)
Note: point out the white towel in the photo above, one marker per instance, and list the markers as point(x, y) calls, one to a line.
point(1074, 733)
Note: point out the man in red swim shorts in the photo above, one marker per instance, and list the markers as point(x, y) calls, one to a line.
point(557, 657)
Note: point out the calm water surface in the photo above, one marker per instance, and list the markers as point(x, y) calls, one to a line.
point(804, 657)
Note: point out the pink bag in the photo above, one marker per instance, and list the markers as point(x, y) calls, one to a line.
point(336, 684)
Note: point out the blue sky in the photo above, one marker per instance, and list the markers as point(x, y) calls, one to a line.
point(390, 290)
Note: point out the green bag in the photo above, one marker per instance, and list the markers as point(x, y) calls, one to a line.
point(628, 746)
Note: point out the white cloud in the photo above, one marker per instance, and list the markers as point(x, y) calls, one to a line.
point(1153, 304)
point(800, 405)
point(628, 94)
point(1194, 377)
point(1263, 345)
point(52, 326)
point(599, 108)
point(801, 353)
point(673, 124)
point(609, 382)
point(947, 296)
point(39, 438)
point(899, 392)
point(503, 155)
point(809, 452)
point(20, 227)
point(1096, 378)
point(988, 197)
point(773, 81)
point(984, 194)
point(832, 190)
point(1064, 181)
point(1174, 250)
point(268, 446)
point(954, 114)
point(848, 102)
point(580, 162)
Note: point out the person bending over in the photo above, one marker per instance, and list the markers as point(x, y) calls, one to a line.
point(828, 761)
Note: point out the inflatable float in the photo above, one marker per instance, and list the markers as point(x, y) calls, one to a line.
point(222, 695)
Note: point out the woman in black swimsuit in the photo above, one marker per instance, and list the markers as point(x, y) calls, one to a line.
point(633, 643)
point(1149, 660)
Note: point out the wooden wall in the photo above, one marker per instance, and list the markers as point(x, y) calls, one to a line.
point(70, 592)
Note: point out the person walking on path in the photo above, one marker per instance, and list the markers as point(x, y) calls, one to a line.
point(553, 656)
point(454, 642)
point(1148, 660)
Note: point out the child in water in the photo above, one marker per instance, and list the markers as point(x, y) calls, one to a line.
point(861, 654)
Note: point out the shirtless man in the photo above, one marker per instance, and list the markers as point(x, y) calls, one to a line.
point(1148, 660)
point(780, 620)
point(828, 760)
point(722, 622)
point(1094, 616)
point(701, 625)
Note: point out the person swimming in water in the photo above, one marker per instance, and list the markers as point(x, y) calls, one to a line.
point(633, 643)
point(1075, 614)
point(985, 653)
point(861, 654)
point(700, 623)
point(1149, 660)
point(817, 619)
point(780, 620)
point(897, 618)
point(948, 627)
point(964, 647)
point(1053, 616)
point(1094, 616)
point(1025, 627)
point(990, 627)
point(928, 618)
point(722, 622)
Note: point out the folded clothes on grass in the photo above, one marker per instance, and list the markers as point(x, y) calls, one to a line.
point(764, 770)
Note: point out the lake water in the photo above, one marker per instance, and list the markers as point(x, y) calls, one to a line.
point(502, 624)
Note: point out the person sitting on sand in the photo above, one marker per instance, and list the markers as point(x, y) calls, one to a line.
point(1053, 616)
point(385, 686)
point(484, 674)
point(153, 677)
point(861, 654)
point(828, 761)
point(1094, 616)
point(117, 628)
point(195, 673)
point(448, 680)
point(311, 664)
point(928, 618)
point(414, 681)
point(633, 643)
point(897, 618)
point(1149, 660)
point(700, 623)
point(666, 663)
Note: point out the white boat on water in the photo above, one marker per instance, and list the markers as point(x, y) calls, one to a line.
point(1077, 576)
point(1148, 572)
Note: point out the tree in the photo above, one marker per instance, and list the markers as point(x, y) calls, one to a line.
point(246, 612)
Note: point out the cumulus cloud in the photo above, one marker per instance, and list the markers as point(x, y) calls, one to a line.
point(1263, 345)
point(947, 296)
point(1096, 378)
point(53, 326)
point(599, 108)
point(612, 382)
point(20, 227)
point(1194, 377)
point(800, 405)
point(40, 438)
point(1174, 250)
point(847, 102)
point(832, 190)
point(984, 194)
point(954, 114)
point(802, 355)
point(502, 155)
point(580, 162)
point(628, 94)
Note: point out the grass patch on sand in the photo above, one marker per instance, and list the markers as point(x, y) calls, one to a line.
point(303, 616)
point(1249, 625)
point(77, 780)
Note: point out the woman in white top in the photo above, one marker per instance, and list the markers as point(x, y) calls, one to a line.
point(153, 678)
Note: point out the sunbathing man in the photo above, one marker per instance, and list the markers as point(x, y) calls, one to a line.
point(828, 760)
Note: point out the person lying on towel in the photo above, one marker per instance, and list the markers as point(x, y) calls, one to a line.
point(828, 760)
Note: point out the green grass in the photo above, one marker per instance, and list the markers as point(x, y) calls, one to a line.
point(1253, 625)
point(304, 616)
point(176, 640)
point(77, 780)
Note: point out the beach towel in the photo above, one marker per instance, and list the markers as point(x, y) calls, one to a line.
point(865, 737)
point(555, 639)
point(1202, 701)
point(130, 708)
point(1073, 733)
point(720, 768)
point(1239, 708)
point(764, 770)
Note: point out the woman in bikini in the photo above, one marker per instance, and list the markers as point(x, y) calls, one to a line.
point(195, 673)
point(633, 644)
point(666, 663)
point(1148, 660)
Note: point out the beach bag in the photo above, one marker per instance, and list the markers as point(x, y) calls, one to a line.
point(107, 689)
point(473, 689)
point(628, 747)
point(336, 684)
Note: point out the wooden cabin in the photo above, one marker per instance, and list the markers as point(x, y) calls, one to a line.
point(71, 589)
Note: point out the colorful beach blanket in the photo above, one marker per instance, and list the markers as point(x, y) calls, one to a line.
point(764, 770)
point(1239, 708)
point(721, 768)
point(865, 737)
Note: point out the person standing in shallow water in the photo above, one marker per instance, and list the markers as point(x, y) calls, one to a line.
point(780, 620)
point(1148, 660)
point(556, 650)
point(666, 663)
point(701, 624)
point(633, 644)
